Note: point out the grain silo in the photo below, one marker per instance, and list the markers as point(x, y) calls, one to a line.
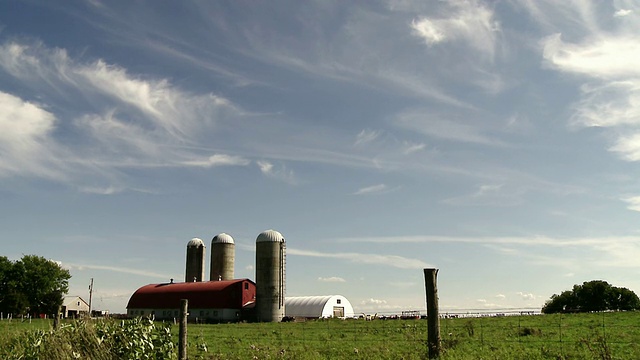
point(270, 276)
point(223, 255)
point(195, 260)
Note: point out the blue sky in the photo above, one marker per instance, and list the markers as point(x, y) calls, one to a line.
point(495, 140)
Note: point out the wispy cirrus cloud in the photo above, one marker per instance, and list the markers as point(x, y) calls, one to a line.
point(128, 120)
point(117, 269)
point(332, 279)
point(219, 160)
point(604, 59)
point(469, 21)
point(360, 258)
point(607, 252)
point(439, 126)
point(279, 173)
point(371, 189)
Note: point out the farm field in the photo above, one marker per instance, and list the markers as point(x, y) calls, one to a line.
point(613, 335)
point(574, 336)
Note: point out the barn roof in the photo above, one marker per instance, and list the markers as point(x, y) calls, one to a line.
point(316, 306)
point(204, 294)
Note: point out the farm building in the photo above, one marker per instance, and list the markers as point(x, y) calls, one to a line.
point(74, 306)
point(318, 306)
point(216, 301)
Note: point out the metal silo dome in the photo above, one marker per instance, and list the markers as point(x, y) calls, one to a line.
point(195, 242)
point(222, 238)
point(270, 236)
point(223, 257)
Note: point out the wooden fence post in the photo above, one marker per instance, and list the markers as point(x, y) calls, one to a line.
point(433, 318)
point(182, 335)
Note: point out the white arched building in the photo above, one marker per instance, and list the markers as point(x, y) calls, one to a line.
point(318, 306)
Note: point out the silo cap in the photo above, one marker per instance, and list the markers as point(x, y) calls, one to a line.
point(270, 236)
point(195, 242)
point(222, 238)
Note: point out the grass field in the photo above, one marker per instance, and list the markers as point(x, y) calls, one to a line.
point(576, 336)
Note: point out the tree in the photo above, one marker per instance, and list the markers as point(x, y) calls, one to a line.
point(32, 284)
point(595, 295)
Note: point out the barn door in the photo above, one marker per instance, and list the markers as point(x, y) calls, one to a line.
point(338, 311)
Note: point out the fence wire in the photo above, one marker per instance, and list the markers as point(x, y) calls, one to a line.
point(607, 335)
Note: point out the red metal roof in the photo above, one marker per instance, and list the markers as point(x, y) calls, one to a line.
point(227, 294)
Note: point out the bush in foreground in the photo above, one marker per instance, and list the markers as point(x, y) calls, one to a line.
point(103, 340)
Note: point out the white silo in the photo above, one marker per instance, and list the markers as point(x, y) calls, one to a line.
point(195, 261)
point(270, 276)
point(223, 257)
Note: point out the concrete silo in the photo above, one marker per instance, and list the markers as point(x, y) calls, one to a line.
point(195, 261)
point(270, 276)
point(223, 257)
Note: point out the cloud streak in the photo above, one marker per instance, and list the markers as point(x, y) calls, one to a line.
point(367, 259)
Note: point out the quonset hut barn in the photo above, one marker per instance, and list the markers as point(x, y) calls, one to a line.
point(221, 299)
point(314, 307)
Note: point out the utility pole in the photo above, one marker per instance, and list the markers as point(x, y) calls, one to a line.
point(90, 295)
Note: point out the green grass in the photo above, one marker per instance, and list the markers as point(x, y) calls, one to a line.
point(576, 336)
point(604, 336)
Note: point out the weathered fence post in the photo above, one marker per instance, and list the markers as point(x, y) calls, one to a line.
point(433, 318)
point(56, 318)
point(182, 342)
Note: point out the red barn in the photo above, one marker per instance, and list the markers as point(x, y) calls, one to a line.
point(215, 301)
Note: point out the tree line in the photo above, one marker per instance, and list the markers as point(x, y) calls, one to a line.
point(595, 295)
point(32, 285)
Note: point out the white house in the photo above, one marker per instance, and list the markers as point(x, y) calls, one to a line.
point(74, 306)
point(318, 306)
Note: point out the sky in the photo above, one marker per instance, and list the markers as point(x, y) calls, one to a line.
point(497, 141)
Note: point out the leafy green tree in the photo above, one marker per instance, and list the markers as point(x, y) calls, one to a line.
point(596, 295)
point(32, 284)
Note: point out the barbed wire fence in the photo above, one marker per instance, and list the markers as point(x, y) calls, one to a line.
point(605, 335)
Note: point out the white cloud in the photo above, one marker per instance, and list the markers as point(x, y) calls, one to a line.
point(526, 296)
point(410, 148)
point(361, 258)
point(608, 252)
point(219, 160)
point(140, 272)
point(109, 190)
point(127, 120)
point(427, 30)
point(372, 301)
point(611, 97)
point(468, 21)
point(441, 127)
point(371, 189)
point(500, 296)
point(628, 146)
point(605, 57)
point(622, 13)
point(282, 173)
point(332, 279)
point(634, 203)
point(25, 138)
point(366, 136)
